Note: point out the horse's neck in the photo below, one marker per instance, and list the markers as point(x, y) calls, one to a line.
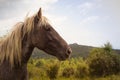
point(27, 50)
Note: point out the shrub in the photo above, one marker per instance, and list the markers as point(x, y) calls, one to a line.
point(36, 73)
point(39, 63)
point(103, 61)
point(98, 66)
point(82, 70)
point(68, 71)
point(53, 70)
point(115, 69)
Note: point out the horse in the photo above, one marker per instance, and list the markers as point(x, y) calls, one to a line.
point(17, 47)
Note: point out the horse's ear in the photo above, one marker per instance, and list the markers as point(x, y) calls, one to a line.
point(39, 14)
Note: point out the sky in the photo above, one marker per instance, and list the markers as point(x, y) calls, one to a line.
point(86, 22)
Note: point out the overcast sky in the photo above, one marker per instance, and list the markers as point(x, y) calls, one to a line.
point(86, 22)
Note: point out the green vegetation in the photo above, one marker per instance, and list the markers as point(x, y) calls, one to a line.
point(101, 64)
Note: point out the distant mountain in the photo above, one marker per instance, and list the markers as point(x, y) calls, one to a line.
point(77, 51)
point(80, 50)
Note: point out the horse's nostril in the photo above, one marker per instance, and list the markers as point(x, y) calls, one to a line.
point(69, 51)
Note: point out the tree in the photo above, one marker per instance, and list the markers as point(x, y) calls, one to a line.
point(108, 48)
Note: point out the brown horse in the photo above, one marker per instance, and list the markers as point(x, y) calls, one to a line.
point(16, 48)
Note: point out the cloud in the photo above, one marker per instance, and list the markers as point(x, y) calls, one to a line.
point(56, 19)
point(22, 6)
point(85, 7)
point(89, 20)
point(112, 8)
point(12, 15)
point(12, 11)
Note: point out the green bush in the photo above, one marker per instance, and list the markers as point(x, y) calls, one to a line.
point(53, 70)
point(82, 70)
point(68, 71)
point(99, 66)
point(103, 61)
point(39, 64)
point(116, 66)
point(36, 73)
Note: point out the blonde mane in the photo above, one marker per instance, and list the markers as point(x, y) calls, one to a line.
point(11, 45)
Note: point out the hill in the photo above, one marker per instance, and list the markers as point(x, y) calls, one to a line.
point(80, 50)
point(77, 51)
